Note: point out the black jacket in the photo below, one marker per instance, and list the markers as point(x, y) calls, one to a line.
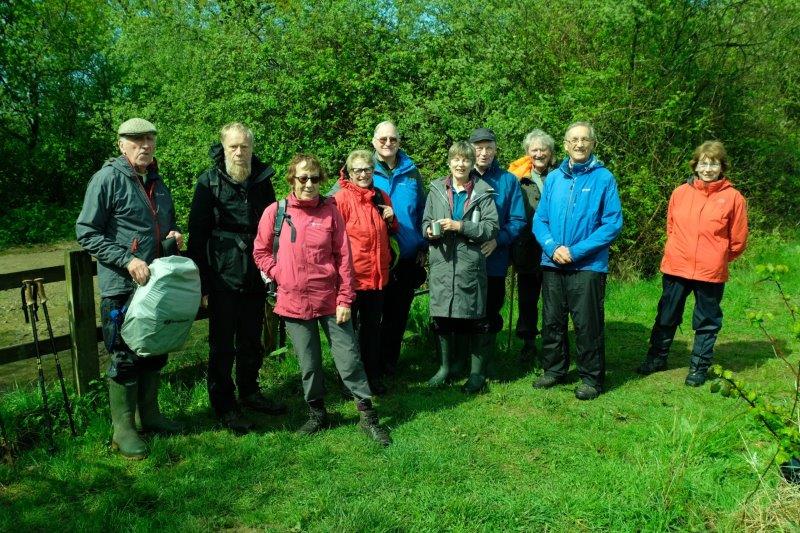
point(223, 222)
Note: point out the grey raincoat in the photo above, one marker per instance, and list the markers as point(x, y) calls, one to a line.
point(457, 277)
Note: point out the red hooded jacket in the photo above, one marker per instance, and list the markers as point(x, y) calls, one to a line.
point(706, 230)
point(368, 233)
point(314, 274)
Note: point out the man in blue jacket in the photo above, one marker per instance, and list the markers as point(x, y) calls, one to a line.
point(397, 174)
point(578, 218)
point(511, 217)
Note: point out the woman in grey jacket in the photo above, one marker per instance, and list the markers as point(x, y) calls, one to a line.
point(459, 215)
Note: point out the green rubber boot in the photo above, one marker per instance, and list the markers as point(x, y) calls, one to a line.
point(148, 415)
point(480, 354)
point(123, 406)
point(445, 352)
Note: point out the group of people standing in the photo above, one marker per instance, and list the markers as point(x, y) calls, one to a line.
point(350, 261)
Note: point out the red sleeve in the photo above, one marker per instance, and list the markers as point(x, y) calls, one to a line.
point(262, 247)
point(343, 262)
point(738, 228)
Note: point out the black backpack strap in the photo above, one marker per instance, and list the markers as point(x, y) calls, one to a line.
point(280, 217)
point(215, 184)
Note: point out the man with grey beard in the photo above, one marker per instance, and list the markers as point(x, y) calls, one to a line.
point(228, 202)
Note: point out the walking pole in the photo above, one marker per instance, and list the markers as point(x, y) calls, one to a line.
point(511, 308)
point(41, 299)
point(29, 304)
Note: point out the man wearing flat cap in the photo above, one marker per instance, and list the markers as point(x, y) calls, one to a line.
point(511, 217)
point(127, 213)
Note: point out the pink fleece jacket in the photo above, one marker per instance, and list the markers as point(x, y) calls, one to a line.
point(315, 273)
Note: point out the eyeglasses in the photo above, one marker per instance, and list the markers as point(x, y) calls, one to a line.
point(707, 165)
point(304, 179)
point(387, 140)
point(576, 140)
point(365, 170)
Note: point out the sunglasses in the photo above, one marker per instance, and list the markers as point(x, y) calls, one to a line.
point(304, 179)
point(387, 140)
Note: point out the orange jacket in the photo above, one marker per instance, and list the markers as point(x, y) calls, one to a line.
point(522, 167)
point(368, 233)
point(706, 230)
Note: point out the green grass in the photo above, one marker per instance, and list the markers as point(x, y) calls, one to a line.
point(650, 454)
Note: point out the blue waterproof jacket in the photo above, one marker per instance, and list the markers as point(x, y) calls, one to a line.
point(510, 213)
point(405, 188)
point(579, 209)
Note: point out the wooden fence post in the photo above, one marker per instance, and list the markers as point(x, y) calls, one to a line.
point(82, 318)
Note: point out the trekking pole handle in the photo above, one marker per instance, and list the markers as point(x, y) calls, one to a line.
point(40, 294)
point(29, 299)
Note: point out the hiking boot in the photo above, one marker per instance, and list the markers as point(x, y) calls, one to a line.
point(695, 378)
point(651, 365)
point(584, 391)
point(369, 423)
point(546, 381)
point(317, 419)
point(257, 402)
point(377, 387)
point(236, 422)
point(148, 414)
point(126, 440)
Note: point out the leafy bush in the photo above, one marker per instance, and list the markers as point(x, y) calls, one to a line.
point(37, 223)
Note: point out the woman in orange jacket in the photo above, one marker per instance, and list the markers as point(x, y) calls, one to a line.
point(706, 230)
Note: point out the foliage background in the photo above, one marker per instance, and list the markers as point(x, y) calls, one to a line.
point(655, 76)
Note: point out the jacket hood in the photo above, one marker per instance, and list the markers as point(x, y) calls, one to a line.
point(580, 168)
point(259, 170)
point(346, 184)
point(715, 186)
point(122, 164)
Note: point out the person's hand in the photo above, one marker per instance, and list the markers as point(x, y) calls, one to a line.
point(139, 271)
point(177, 236)
point(431, 237)
point(488, 247)
point(204, 301)
point(388, 212)
point(342, 314)
point(449, 224)
point(562, 255)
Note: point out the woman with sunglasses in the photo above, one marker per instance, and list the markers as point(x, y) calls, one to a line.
point(706, 230)
point(369, 220)
point(314, 273)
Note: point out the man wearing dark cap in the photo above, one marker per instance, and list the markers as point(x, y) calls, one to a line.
point(511, 217)
point(127, 213)
point(228, 202)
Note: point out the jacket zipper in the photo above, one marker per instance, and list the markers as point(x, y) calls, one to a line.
point(153, 214)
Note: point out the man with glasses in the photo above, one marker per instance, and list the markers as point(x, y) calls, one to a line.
point(578, 217)
point(511, 218)
point(228, 202)
point(396, 174)
point(127, 211)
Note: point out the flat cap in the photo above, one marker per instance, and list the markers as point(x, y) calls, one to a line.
point(482, 134)
point(136, 126)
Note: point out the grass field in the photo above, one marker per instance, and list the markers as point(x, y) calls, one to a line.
point(650, 454)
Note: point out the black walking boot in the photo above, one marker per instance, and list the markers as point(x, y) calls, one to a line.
point(317, 418)
point(257, 402)
point(370, 424)
point(652, 364)
point(702, 354)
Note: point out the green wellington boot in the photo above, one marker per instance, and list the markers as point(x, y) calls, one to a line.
point(482, 346)
point(445, 352)
point(123, 406)
point(148, 415)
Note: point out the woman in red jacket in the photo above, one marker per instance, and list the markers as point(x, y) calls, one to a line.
point(369, 219)
point(706, 230)
point(314, 274)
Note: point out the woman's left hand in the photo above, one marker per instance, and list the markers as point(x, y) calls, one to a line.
point(388, 212)
point(342, 314)
point(449, 224)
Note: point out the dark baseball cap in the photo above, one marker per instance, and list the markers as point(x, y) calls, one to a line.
point(482, 134)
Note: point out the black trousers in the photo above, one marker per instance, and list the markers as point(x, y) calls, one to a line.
point(397, 297)
point(529, 287)
point(124, 365)
point(580, 294)
point(235, 321)
point(706, 319)
point(495, 296)
point(367, 311)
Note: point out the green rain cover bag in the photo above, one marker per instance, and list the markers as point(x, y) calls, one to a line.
point(162, 311)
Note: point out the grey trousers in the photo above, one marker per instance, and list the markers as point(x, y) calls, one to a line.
point(344, 349)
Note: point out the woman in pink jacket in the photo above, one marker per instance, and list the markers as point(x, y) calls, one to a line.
point(706, 230)
point(314, 274)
